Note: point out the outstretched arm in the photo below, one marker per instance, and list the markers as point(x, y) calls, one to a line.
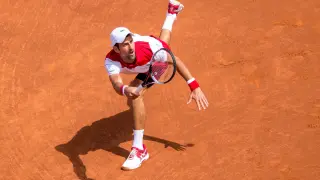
point(183, 70)
point(196, 92)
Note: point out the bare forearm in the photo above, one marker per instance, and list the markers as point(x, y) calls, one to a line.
point(187, 76)
point(183, 70)
point(117, 83)
point(117, 87)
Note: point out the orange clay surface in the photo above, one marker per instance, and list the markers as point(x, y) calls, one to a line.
point(256, 60)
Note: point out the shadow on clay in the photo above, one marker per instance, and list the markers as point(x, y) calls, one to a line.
point(107, 134)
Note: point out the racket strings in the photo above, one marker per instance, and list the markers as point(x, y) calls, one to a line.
point(158, 69)
point(163, 66)
point(162, 71)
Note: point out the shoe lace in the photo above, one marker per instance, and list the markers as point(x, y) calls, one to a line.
point(133, 153)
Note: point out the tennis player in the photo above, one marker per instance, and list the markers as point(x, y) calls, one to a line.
point(131, 53)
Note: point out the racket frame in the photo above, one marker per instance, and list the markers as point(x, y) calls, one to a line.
point(150, 74)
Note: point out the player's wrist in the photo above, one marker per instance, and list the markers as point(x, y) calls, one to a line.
point(122, 89)
point(193, 84)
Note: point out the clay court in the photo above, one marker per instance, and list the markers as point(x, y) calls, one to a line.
point(256, 60)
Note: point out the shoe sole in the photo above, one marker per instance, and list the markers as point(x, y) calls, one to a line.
point(129, 169)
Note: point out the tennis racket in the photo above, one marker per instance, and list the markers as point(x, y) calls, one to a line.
point(162, 68)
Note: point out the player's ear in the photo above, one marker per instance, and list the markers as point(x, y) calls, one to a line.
point(116, 48)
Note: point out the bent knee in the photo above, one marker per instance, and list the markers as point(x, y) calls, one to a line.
point(131, 101)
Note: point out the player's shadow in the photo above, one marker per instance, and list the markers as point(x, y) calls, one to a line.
point(106, 134)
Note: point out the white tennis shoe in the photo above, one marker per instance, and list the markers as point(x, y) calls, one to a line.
point(175, 7)
point(135, 158)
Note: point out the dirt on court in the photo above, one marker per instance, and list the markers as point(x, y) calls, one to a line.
point(256, 60)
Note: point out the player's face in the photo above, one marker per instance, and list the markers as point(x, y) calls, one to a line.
point(126, 50)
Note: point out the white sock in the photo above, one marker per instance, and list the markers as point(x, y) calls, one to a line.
point(168, 22)
point(138, 139)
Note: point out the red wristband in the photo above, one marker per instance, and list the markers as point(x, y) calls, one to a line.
point(193, 84)
point(122, 89)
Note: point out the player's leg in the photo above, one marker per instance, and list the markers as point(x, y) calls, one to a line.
point(139, 151)
point(174, 8)
point(138, 110)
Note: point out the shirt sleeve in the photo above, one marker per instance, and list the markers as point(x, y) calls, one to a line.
point(112, 67)
point(155, 45)
point(160, 56)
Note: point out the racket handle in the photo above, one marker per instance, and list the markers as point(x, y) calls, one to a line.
point(139, 88)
